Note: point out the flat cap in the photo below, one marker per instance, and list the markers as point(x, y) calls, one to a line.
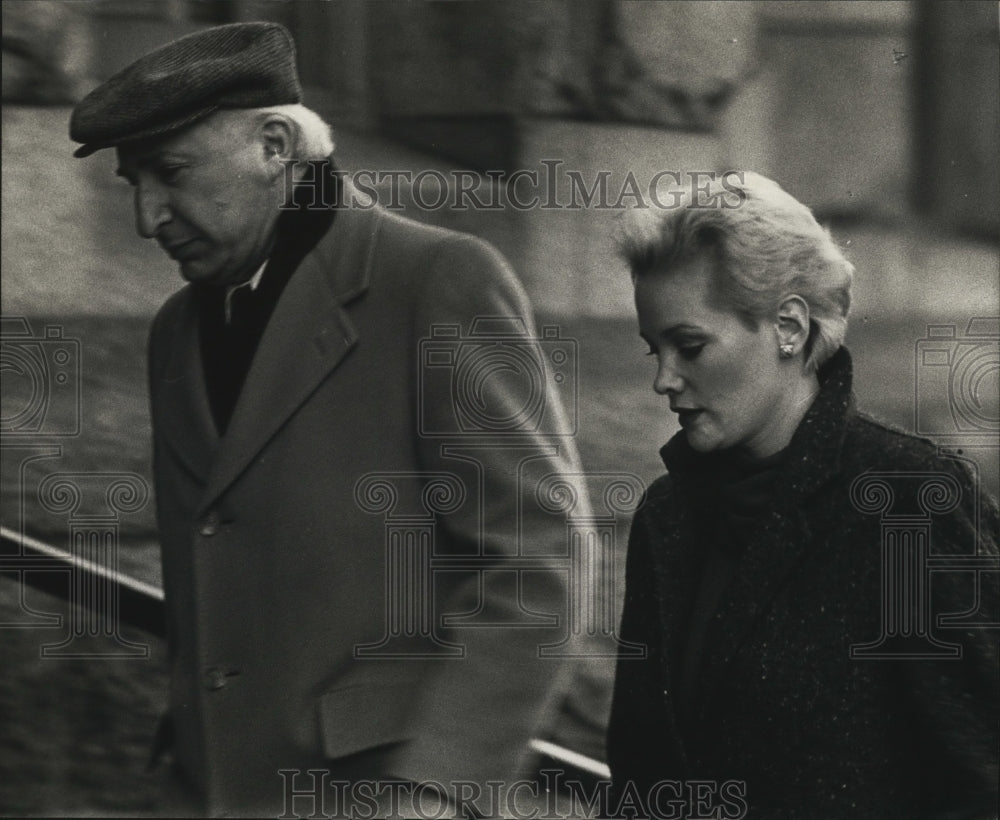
point(243, 65)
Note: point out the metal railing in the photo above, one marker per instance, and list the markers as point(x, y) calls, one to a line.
point(141, 605)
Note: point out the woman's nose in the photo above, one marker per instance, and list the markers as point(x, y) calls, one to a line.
point(667, 380)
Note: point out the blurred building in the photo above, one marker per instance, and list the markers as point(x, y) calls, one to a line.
point(877, 113)
point(864, 110)
point(46, 53)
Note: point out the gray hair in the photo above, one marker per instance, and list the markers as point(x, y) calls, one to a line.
point(768, 245)
point(311, 138)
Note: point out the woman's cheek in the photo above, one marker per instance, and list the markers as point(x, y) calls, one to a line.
point(724, 379)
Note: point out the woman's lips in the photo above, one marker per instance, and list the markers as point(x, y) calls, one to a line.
point(685, 417)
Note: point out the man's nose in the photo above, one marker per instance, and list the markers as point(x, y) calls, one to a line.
point(667, 380)
point(151, 209)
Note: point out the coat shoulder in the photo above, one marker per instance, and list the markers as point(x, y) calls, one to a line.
point(871, 446)
point(171, 309)
point(883, 446)
point(658, 498)
point(440, 259)
point(420, 236)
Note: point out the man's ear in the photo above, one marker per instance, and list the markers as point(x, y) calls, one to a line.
point(277, 135)
point(793, 322)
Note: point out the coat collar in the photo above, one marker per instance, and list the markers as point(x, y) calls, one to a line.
point(308, 335)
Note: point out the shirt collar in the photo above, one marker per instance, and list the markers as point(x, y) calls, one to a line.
point(251, 283)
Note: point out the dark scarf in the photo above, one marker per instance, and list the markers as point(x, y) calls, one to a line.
point(733, 505)
point(732, 494)
point(227, 349)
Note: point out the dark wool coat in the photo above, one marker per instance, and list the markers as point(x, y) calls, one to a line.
point(275, 536)
point(782, 711)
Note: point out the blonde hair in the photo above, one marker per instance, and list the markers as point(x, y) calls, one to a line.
point(766, 243)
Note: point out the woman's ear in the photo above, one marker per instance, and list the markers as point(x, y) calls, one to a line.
point(793, 325)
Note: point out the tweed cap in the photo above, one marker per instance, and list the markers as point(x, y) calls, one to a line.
point(242, 65)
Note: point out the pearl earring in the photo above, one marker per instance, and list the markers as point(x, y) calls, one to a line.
point(786, 351)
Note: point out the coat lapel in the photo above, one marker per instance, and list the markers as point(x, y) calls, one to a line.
point(309, 334)
point(185, 417)
point(677, 582)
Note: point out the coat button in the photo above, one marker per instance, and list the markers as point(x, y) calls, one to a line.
point(209, 524)
point(216, 678)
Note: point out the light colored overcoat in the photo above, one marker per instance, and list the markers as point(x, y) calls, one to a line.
point(275, 536)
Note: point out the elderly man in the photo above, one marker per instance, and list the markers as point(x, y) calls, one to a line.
point(354, 426)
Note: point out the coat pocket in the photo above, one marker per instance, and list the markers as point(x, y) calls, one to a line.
point(359, 717)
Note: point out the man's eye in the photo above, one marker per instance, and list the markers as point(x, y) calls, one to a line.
point(170, 173)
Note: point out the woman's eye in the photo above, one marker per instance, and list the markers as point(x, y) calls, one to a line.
point(690, 351)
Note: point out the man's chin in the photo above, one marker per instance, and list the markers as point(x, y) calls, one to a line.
point(197, 272)
point(207, 272)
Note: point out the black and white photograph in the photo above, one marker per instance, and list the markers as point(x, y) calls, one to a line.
point(500, 409)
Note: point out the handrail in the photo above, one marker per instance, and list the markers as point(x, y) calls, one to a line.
point(35, 562)
point(141, 605)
